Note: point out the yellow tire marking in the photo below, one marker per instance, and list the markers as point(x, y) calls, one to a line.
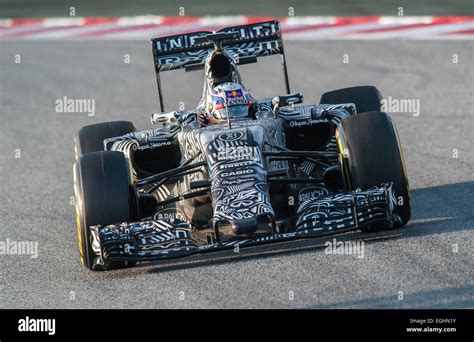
point(78, 220)
point(342, 150)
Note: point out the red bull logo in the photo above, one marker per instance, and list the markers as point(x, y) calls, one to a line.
point(233, 94)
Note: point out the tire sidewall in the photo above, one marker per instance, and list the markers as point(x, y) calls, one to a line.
point(397, 175)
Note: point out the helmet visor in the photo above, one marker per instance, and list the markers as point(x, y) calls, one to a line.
point(233, 112)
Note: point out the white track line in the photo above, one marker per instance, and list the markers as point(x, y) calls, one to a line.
point(146, 27)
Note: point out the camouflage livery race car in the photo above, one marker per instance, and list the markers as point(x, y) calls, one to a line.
point(235, 171)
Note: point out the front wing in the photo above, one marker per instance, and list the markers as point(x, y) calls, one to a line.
point(158, 239)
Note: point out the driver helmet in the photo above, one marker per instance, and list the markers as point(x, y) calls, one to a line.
point(229, 100)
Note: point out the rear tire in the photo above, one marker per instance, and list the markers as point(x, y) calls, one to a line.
point(102, 186)
point(374, 156)
point(366, 98)
point(91, 138)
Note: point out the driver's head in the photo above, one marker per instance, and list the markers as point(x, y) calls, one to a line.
point(228, 100)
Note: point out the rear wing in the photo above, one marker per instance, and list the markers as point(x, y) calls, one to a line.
point(185, 51)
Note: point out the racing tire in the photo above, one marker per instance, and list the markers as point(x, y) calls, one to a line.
point(91, 138)
point(366, 98)
point(102, 188)
point(373, 155)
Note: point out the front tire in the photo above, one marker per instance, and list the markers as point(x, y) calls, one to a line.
point(373, 155)
point(91, 138)
point(366, 98)
point(102, 186)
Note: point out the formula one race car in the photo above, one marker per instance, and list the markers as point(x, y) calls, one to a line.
point(235, 171)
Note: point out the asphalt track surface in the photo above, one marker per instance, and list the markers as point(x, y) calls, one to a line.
point(420, 259)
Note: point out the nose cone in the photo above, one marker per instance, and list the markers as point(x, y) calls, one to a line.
point(239, 191)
